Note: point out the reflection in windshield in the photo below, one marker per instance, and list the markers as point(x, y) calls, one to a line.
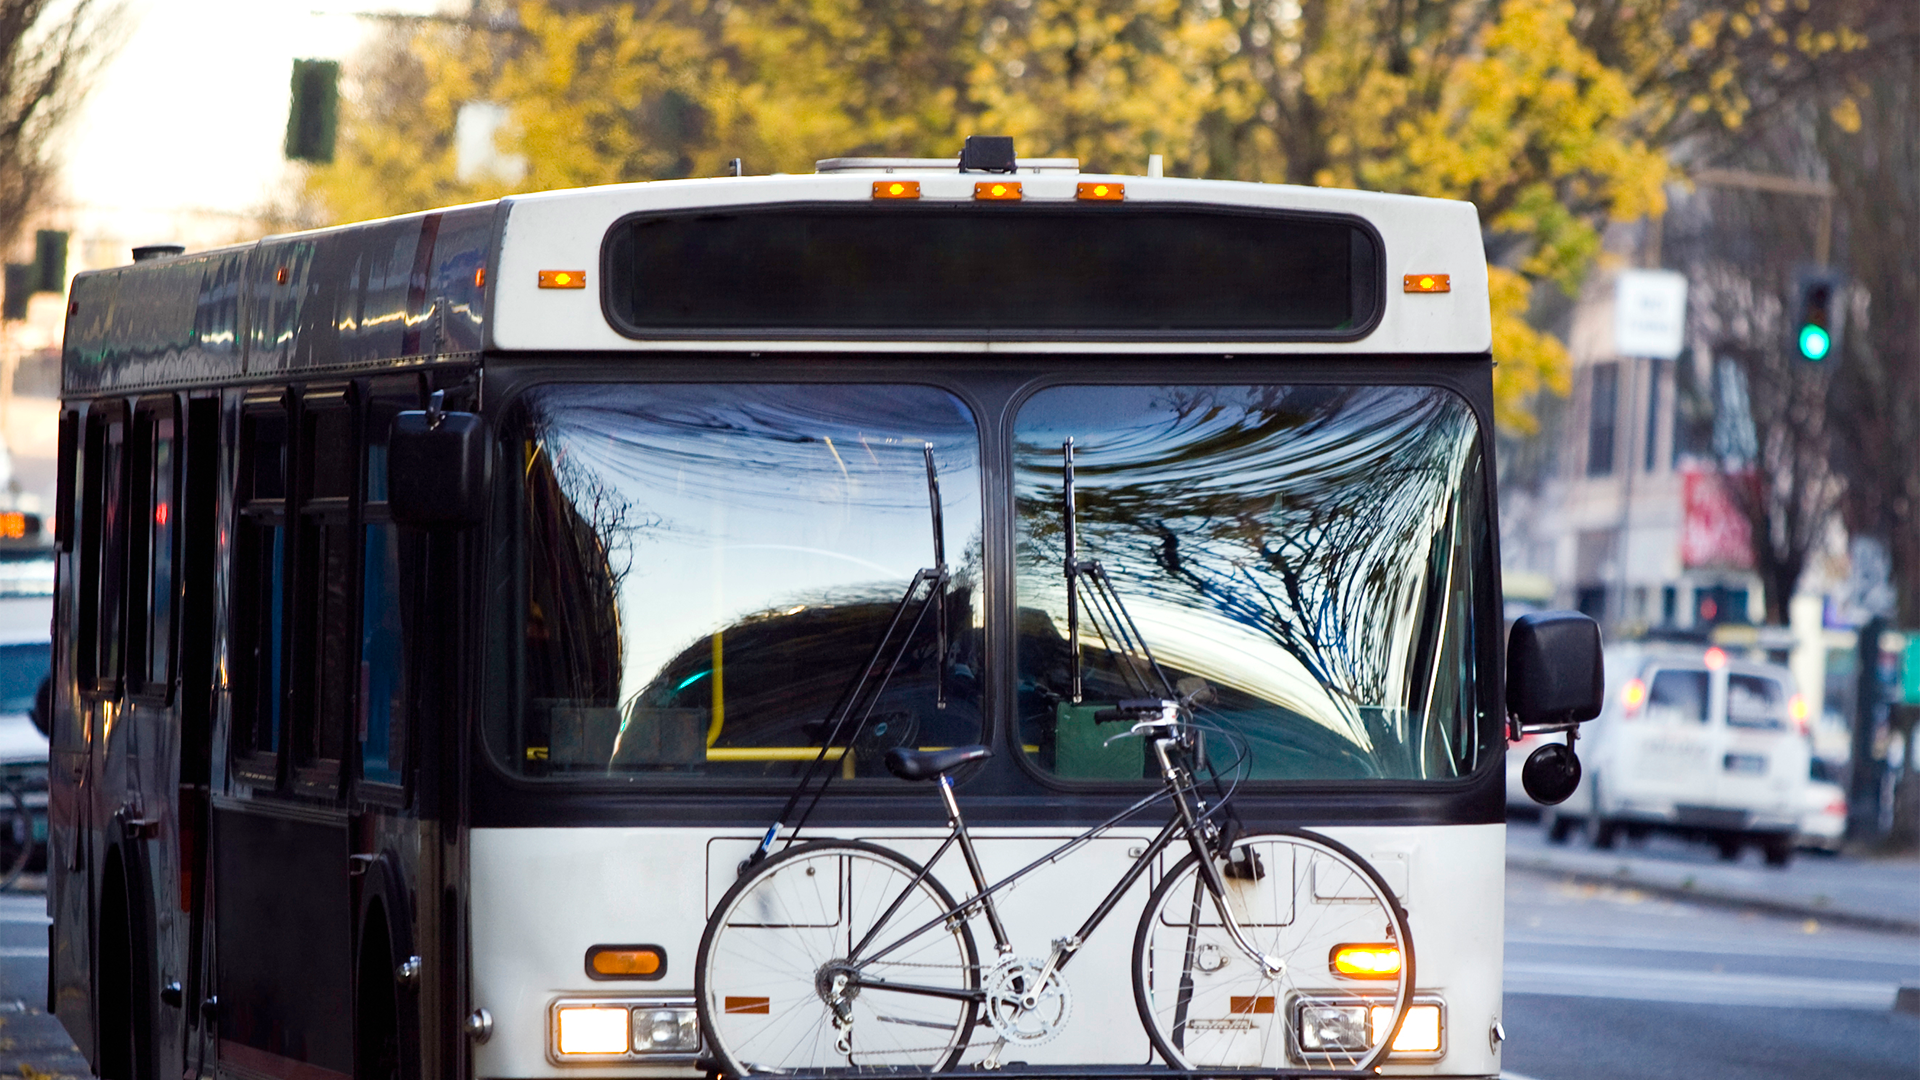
point(1303, 555)
point(702, 571)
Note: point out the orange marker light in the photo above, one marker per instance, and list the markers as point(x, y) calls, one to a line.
point(1094, 192)
point(280, 276)
point(480, 278)
point(563, 279)
point(990, 190)
point(896, 189)
point(13, 525)
point(1379, 960)
point(638, 961)
point(1428, 283)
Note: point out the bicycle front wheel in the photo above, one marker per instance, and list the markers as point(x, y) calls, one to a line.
point(780, 989)
point(1299, 898)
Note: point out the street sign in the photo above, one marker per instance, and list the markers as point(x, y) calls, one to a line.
point(1650, 313)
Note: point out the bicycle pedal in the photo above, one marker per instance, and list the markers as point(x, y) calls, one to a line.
point(1245, 866)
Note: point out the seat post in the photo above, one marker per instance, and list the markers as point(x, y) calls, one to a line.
point(1000, 941)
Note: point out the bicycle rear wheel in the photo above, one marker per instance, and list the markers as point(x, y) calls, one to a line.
point(781, 936)
point(1207, 1005)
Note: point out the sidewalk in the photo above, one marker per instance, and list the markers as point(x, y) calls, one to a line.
point(1876, 894)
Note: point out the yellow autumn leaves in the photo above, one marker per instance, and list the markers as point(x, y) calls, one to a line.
point(1508, 103)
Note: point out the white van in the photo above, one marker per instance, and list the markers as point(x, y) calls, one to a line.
point(1695, 742)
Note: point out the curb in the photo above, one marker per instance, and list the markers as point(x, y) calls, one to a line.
point(1714, 898)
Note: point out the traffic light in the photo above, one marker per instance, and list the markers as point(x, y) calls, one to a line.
point(50, 261)
point(315, 111)
point(1817, 315)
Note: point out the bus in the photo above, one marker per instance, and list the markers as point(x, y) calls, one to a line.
point(453, 609)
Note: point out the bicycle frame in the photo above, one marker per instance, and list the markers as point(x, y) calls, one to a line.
point(1178, 787)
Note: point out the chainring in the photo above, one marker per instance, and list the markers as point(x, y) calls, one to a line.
point(1020, 1013)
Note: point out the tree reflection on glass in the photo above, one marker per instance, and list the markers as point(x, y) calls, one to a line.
point(1309, 551)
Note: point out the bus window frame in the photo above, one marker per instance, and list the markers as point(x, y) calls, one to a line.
point(101, 416)
point(406, 392)
point(139, 619)
point(244, 617)
point(1338, 372)
point(308, 518)
point(505, 506)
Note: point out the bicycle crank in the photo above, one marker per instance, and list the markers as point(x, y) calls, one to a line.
point(1023, 1008)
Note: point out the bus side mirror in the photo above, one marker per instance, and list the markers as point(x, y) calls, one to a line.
point(1556, 681)
point(1555, 678)
point(437, 468)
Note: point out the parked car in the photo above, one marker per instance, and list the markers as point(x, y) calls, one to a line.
point(24, 664)
point(1695, 743)
point(1823, 824)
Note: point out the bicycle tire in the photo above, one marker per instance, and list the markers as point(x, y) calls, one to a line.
point(16, 834)
point(760, 978)
point(1207, 1006)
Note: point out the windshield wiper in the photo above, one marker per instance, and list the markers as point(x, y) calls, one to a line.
point(1107, 613)
point(878, 671)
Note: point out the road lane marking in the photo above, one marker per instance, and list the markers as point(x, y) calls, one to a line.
point(1697, 987)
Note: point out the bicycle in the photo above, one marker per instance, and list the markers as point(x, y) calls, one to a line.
point(1282, 952)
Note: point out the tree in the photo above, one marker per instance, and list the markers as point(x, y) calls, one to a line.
point(48, 54)
point(1552, 115)
point(1743, 250)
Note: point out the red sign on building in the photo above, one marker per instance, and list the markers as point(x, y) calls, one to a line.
point(1715, 535)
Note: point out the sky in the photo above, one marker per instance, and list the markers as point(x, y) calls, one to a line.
point(191, 112)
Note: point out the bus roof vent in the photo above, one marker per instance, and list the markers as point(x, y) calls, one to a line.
point(157, 251)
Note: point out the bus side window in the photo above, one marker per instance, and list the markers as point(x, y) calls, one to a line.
point(150, 573)
point(384, 612)
point(325, 680)
point(103, 551)
point(259, 591)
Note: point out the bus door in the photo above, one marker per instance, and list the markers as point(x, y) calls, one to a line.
point(281, 867)
point(198, 541)
point(69, 878)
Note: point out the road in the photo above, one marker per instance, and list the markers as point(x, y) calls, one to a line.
point(1609, 981)
point(1604, 981)
point(33, 1045)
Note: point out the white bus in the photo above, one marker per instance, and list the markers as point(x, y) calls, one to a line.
point(717, 511)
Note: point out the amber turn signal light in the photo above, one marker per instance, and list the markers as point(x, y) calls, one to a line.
point(626, 962)
point(1097, 192)
point(992, 190)
point(896, 189)
point(1377, 960)
point(563, 279)
point(1429, 283)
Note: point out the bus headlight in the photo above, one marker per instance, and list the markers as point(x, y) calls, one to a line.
point(623, 1029)
point(1333, 1028)
point(591, 1029)
point(666, 1031)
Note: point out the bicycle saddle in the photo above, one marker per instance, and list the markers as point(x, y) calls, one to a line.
point(930, 764)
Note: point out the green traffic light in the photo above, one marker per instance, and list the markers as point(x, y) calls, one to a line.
point(1814, 343)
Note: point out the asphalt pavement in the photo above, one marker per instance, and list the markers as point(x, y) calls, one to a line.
point(33, 1045)
point(1617, 968)
point(1881, 894)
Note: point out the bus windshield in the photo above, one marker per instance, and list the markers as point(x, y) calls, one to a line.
point(700, 574)
point(1305, 562)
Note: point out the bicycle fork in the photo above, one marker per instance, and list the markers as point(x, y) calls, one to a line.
point(1216, 885)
